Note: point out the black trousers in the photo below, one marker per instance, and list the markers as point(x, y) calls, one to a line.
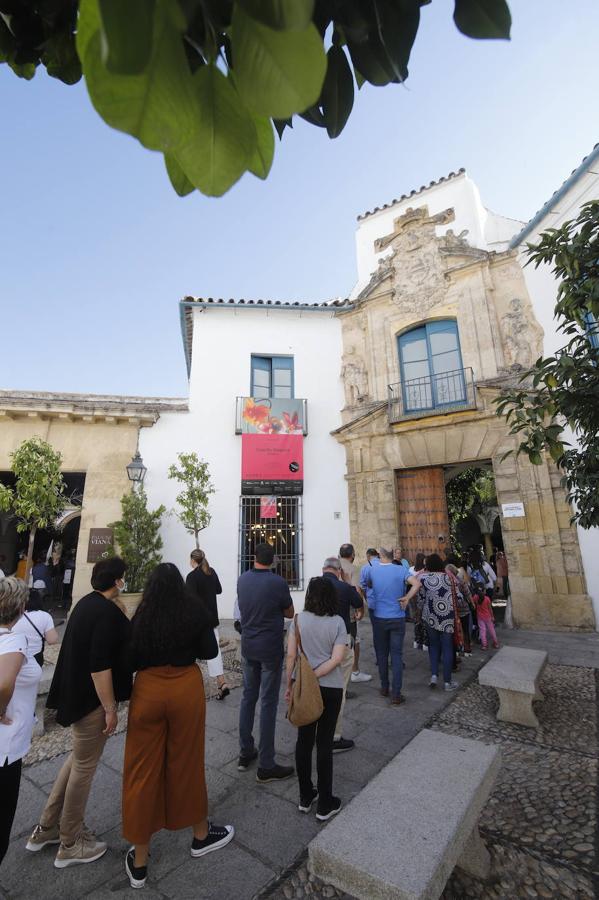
point(10, 782)
point(322, 732)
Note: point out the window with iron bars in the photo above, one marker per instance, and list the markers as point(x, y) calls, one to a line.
point(258, 525)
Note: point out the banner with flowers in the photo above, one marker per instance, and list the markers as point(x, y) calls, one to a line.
point(272, 416)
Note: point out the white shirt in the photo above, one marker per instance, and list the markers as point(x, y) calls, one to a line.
point(43, 621)
point(15, 739)
point(2, 575)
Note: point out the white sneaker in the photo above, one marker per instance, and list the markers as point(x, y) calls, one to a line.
point(433, 681)
point(360, 676)
point(451, 685)
point(416, 645)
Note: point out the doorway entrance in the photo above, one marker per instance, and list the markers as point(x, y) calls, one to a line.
point(444, 509)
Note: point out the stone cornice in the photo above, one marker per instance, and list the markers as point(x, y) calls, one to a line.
point(88, 408)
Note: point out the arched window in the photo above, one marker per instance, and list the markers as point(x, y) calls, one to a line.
point(430, 360)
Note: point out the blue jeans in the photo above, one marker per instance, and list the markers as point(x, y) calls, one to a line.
point(440, 644)
point(260, 679)
point(389, 640)
point(372, 618)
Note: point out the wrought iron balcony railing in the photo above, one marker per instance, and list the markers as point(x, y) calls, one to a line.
point(432, 395)
point(271, 415)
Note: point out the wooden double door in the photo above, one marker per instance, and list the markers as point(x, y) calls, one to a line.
point(422, 511)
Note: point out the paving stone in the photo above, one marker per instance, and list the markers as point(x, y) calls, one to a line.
point(44, 773)
point(31, 802)
point(220, 748)
point(114, 752)
point(272, 828)
point(229, 873)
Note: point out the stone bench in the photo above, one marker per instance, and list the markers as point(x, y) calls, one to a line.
point(515, 673)
point(403, 834)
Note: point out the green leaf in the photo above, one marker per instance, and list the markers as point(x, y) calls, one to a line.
point(60, 58)
point(483, 18)
point(23, 70)
point(179, 179)
point(278, 73)
point(535, 457)
point(127, 29)
point(219, 149)
point(282, 124)
point(159, 106)
point(337, 98)
point(261, 161)
point(292, 15)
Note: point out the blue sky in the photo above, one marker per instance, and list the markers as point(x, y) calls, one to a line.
point(96, 249)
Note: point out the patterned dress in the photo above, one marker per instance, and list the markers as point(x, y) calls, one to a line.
point(436, 602)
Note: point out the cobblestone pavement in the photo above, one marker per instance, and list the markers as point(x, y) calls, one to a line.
point(539, 823)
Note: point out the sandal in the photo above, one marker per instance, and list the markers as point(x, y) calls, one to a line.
point(222, 692)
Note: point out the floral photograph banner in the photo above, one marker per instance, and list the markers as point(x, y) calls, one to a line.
point(272, 416)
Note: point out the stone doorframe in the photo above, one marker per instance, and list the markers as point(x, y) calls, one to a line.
point(546, 574)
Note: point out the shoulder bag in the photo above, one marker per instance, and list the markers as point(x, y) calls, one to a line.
point(39, 656)
point(306, 704)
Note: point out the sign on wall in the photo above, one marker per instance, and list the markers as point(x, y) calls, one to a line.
point(272, 464)
point(512, 510)
point(100, 539)
point(268, 507)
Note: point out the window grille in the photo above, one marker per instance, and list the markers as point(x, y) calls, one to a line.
point(284, 531)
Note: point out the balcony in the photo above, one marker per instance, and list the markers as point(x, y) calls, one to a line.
point(433, 395)
point(271, 415)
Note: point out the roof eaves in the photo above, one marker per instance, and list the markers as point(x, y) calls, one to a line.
point(188, 303)
point(413, 193)
point(555, 198)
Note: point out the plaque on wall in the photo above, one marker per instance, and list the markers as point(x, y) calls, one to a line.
point(100, 539)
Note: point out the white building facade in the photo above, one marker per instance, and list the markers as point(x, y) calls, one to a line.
point(223, 341)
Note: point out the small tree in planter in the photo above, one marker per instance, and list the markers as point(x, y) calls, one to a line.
point(137, 538)
point(38, 495)
point(193, 500)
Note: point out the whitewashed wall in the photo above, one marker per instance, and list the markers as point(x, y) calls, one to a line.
point(486, 230)
point(542, 287)
point(223, 342)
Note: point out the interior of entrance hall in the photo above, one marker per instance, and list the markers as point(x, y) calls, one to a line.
point(448, 508)
point(54, 548)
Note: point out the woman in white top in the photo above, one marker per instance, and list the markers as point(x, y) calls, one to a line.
point(323, 639)
point(19, 679)
point(38, 625)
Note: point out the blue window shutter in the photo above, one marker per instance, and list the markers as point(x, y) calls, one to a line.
point(431, 366)
point(261, 377)
point(282, 377)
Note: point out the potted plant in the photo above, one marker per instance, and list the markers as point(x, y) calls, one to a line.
point(137, 540)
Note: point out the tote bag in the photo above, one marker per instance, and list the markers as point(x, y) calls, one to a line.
point(306, 704)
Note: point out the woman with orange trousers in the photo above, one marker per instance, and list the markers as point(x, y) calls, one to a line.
point(164, 784)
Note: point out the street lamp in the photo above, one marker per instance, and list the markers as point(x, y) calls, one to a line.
point(136, 471)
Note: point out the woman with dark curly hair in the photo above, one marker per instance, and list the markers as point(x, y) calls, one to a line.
point(436, 603)
point(164, 784)
point(323, 637)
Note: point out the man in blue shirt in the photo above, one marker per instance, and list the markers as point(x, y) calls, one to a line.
point(372, 557)
point(264, 602)
point(392, 589)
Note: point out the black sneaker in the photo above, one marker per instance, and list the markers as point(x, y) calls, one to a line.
point(305, 804)
point(324, 813)
point(243, 762)
point(350, 695)
point(137, 874)
point(342, 744)
point(218, 836)
point(277, 773)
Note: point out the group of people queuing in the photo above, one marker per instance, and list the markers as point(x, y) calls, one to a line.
point(151, 661)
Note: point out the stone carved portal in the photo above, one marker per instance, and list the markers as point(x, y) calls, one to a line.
point(355, 378)
point(417, 269)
